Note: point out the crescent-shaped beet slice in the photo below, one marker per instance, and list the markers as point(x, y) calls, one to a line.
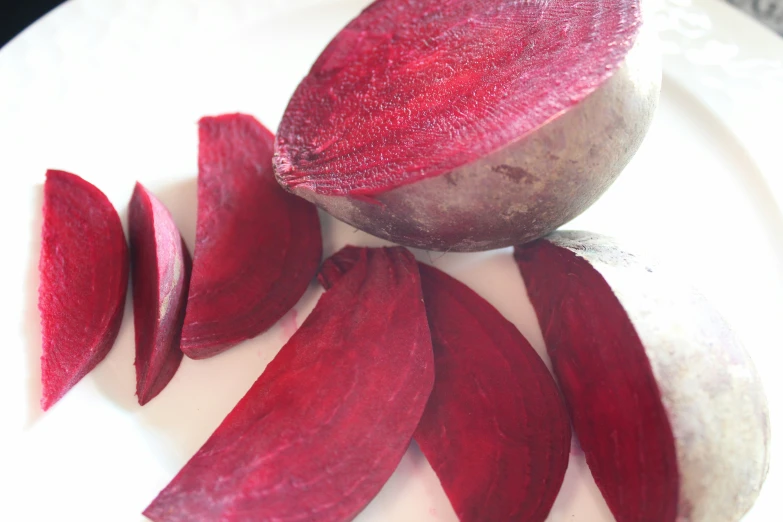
point(257, 247)
point(607, 381)
point(411, 89)
point(667, 404)
point(495, 429)
point(323, 428)
point(160, 268)
point(494, 410)
point(84, 278)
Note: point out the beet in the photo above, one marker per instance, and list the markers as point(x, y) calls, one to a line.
point(668, 408)
point(84, 277)
point(495, 429)
point(161, 269)
point(328, 421)
point(470, 124)
point(257, 247)
point(494, 410)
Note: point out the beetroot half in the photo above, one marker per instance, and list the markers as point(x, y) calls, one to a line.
point(84, 277)
point(495, 429)
point(326, 424)
point(257, 247)
point(160, 266)
point(470, 124)
point(667, 405)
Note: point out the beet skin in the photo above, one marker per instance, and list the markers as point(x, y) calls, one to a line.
point(160, 268)
point(666, 403)
point(324, 427)
point(470, 124)
point(257, 247)
point(84, 278)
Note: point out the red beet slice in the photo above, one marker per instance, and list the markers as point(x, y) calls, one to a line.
point(667, 404)
point(494, 410)
point(411, 89)
point(257, 247)
point(328, 421)
point(495, 429)
point(84, 277)
point(607, 381)
point(161, 268)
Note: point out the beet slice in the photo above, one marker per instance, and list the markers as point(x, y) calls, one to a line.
point(84, 277)
point(411, 89)
point(494, 410)
point(608, 383)
point(257, 247)
point(495, 429)
point(161, 266)
point(668, 408)
point(325, 425)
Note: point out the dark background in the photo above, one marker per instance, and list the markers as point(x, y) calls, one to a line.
point(15, 15)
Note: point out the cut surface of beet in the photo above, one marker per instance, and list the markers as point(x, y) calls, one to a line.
point(324, 427)
point(607, 381)
point(160, 268)
point(257, 247)
point(412, 89)
point(495, 429)
point(340, 263)
point(84, 278)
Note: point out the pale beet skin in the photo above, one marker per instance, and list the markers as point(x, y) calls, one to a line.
point(473, 125)
point(664, 399)
point(160, 269)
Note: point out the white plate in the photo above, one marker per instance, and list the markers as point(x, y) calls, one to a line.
point(111, 90)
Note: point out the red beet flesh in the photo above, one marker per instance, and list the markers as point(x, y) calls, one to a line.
point(257, 247)
point(84, 277)
point(495, 429)
point(413, 89)
point(607, 381)
point(160, 265)
point(328, 421)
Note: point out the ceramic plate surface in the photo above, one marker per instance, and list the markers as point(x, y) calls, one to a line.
point(112, 90)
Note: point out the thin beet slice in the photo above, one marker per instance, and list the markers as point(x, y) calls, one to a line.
point(607, 381)
point(495, 429)
point(257, 247)
point(84, 277)
point(328, 421)
point(495, 410)
point(411, 89)
point(161, 267)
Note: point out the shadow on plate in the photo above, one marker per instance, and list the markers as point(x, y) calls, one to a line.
point(32, 322)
